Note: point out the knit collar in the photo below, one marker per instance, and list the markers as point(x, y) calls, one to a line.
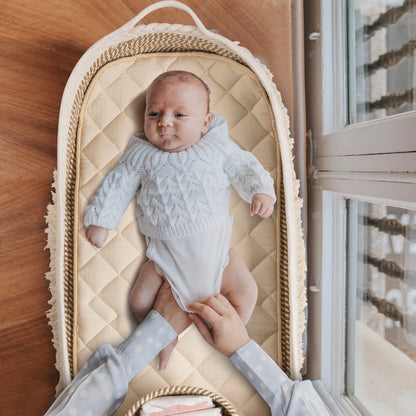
point(217, 129)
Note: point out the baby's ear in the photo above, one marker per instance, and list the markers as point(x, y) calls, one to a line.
point(206, 124)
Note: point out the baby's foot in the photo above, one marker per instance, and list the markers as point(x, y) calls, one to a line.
point(164, 355)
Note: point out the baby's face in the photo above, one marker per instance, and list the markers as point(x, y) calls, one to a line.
point(176, 115)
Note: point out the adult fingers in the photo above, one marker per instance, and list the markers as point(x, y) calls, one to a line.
point(219, 303)
point(214, 306)
point(205, 310)
point(202, 328)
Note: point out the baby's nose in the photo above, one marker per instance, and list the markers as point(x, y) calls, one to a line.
point(165, 120)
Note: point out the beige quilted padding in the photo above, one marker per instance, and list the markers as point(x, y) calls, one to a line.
point(112, 110)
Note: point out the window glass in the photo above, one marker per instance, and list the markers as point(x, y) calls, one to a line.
point(382, 43)
point(381, 308)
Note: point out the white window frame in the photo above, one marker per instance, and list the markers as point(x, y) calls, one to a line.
point(365, 161)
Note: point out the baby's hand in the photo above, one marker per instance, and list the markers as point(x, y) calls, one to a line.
point(96, 235)
point(262, 205)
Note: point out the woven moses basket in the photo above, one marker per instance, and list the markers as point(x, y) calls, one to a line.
point(99, 109)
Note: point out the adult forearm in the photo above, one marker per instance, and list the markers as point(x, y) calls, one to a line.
point(100, 387)
point(283, 395)
point(149, 338)
point(265, 375)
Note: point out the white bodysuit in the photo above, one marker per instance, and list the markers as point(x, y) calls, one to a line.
point(182, 205)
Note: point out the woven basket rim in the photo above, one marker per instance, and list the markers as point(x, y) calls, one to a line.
point(183, 390)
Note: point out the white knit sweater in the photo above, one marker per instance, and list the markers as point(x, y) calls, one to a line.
point(179, 193)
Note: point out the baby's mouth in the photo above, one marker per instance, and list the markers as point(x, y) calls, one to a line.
point(165, 131)
point(167, 140)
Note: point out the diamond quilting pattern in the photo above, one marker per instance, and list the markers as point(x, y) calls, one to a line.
point(111, 114)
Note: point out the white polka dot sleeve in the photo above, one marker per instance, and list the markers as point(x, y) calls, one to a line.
point(100, 387)
point(283, 395)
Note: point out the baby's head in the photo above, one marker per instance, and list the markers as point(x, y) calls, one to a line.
point(177, 111)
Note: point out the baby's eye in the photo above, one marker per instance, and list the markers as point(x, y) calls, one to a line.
point(153, 114)
point(180, 115)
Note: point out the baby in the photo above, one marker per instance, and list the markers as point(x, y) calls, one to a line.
point(180, 174)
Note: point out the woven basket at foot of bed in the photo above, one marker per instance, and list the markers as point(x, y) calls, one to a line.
point(227, 409)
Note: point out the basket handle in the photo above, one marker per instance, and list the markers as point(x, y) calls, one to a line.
point(160, 5)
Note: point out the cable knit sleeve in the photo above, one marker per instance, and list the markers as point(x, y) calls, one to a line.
point(246, 173)
point(112, 198)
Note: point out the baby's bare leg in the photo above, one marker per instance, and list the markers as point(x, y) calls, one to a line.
point(239, 286)
point(142, 298)
point(145, 290)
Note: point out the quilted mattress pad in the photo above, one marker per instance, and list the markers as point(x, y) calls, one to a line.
point(90, 286)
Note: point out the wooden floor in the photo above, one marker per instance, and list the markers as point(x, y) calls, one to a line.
point(40, 43)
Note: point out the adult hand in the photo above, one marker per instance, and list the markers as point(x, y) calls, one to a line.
point(228, 333)
point(96, 235)
point(166, 305)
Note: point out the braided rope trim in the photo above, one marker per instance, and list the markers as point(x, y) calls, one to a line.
point(227, 408)
point(284, 307)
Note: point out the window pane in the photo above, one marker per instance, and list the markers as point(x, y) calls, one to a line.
point(382, 42)
point(381, 308)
